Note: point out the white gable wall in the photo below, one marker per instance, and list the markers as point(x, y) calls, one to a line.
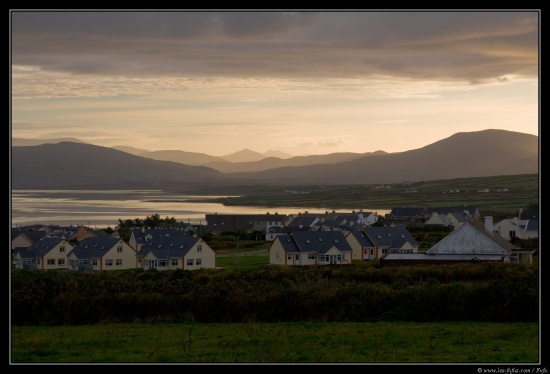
point(466, 240)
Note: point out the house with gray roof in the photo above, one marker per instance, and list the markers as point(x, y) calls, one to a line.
point(176, 252)
point(405, 216)
point(24, 237)
point(301, 248)
point(524, 226)
point(473, 241)
point(97, 253)
point(244, 222)
point(139, 236)
point(44, 254)
point(371, 243)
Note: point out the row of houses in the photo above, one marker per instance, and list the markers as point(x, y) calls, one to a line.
point(167, 249)
point(163, 252)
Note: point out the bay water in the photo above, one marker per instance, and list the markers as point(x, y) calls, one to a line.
point(104, 208)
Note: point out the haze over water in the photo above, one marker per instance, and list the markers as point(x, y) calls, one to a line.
point(103, 208)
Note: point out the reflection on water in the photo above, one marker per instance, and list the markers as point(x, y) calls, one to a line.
point(102, 208)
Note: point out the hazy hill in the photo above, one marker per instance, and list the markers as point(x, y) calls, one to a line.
point(18, 142)
point(132, 150)
point(78, 164)
point(275, 162)
point(183, 157)
point(245, 155)
point(463, 155)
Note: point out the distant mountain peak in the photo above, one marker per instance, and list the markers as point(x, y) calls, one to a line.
point(244, 155)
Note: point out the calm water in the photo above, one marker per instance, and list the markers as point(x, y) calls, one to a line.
point(104, 208)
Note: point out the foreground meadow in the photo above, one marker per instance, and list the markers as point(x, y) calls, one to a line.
point(303, 342)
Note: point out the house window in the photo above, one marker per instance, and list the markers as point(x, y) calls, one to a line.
point(94, 262)
point(372, 252)
point(51, 261)
point(512, 234)
point(199, 248)
point(384, 251)
point(311, 256)
point(60, 262)
point(174, 262)
point(289, 257)
point(199, 261)
point(108, 262)
point(162, 263)
point(118, 262)
point(62, 249)
point(190, 262)
point(119, 249)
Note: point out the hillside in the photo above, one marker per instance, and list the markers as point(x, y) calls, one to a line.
point(71, 165)
point(463, 155)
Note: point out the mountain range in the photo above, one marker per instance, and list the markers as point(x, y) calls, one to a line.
point(75, 164)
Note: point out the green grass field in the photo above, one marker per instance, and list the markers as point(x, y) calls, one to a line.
point(522, 191)
point(278, 343)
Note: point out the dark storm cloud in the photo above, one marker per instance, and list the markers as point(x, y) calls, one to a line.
point(471, 46)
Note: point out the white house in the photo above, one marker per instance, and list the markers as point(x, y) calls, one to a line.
point(301, 248)
point(176, 252)
point(97, 253)
point(45, 254)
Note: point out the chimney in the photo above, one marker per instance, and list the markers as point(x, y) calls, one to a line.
point(489, 224)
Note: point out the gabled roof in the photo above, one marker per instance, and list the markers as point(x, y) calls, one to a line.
point(389, 237)
point(407, 212)
point(319, 241)
point(362, 238)
point(472, 238)
point(302, 221)
point(94, 247)
point(461, 217)
point(42, 247)
point(32, 235)
point(168, 246)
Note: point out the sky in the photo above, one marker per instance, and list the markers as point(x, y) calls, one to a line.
point(217, 82)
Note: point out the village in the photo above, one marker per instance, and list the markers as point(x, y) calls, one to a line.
point(295, 240)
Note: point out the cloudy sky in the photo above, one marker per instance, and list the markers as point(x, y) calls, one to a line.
point(298, 82)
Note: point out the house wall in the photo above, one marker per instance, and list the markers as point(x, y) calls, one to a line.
point(305, 260)
point(277, 253)
point(356, 248)
point(206, 254)
point(409, 246)
point(505, 227)
point(59, 258)
point(128, 257)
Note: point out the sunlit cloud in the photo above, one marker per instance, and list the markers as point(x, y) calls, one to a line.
point(302, 82)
